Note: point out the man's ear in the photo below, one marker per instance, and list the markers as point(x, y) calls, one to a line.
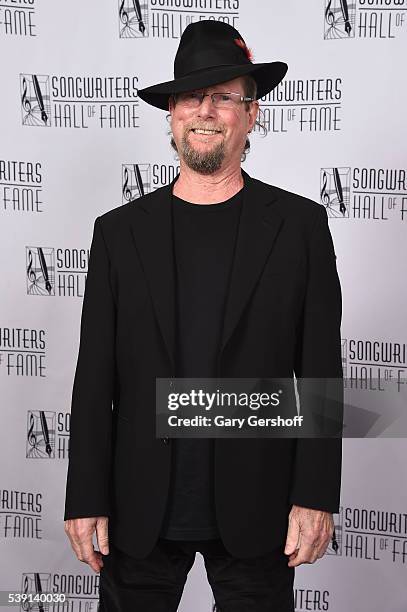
point(253, 113)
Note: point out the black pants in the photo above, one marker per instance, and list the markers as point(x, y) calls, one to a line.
point(156, 583)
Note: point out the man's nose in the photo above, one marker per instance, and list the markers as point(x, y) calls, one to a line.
point(206, 108)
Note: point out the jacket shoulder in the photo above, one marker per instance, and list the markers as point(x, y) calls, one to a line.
point(291, 204)
point(122, 210)
point(120, 214)
point(289, 198)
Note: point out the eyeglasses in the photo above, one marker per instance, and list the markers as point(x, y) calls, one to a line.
point(194, 99)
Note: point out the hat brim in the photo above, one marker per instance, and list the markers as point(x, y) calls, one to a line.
point(267, 75)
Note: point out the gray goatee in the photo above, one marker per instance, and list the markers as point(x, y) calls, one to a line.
point(204, 162)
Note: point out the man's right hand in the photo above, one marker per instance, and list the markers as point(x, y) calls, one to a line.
point(80, 534)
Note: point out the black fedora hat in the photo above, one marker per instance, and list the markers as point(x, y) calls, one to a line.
point(212, 52)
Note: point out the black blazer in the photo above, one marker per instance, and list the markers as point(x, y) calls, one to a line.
point(283, 314)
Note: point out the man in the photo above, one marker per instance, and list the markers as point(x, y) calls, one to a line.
point(215, 275)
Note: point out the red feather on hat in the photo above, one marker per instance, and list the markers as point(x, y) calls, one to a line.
point(245, 48)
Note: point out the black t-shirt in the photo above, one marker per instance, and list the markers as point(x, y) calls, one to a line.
point(204, 242)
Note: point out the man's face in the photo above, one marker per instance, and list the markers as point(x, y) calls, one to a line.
point(208, 153)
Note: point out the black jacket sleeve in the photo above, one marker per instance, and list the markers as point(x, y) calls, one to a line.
point(87, 486)
point(317, 473)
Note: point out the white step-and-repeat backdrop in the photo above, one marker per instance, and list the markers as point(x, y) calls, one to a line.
point(74, 135)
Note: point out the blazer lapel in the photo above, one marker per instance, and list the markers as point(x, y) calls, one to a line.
point(258, 228)
point(151, 225)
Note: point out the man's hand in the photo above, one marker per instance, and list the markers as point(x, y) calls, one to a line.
point(80, 533)
point(308, 536)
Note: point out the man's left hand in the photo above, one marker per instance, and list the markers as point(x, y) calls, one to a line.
point(308, 536)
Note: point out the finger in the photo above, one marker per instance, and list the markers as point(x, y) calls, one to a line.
point(299, 559)
point(293, 538)
point(306, 554)
point(77, 542)
point(323, 548)
point(293, 555)
point(73, 539)
point(76, 547)
point(88, 554)
point(99, 560)
point(102, 536)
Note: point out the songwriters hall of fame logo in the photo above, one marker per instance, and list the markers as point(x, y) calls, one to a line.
point(40, 434)
point(335, 188)
point(133, 17)
point(377, 194)
point(40, 270)
point(369, 363)
point(56, 271)
point(21, 518)
point(136, 181)
point(339, 19)
point(21, 185)
point(78, 101)
point(61, 272)
point(56, 591)
point(139, 179)
point(18, 20)
point(35, 100)
point(36, 583)
point(364, 18)
point(47, 434)
point(168, 19)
